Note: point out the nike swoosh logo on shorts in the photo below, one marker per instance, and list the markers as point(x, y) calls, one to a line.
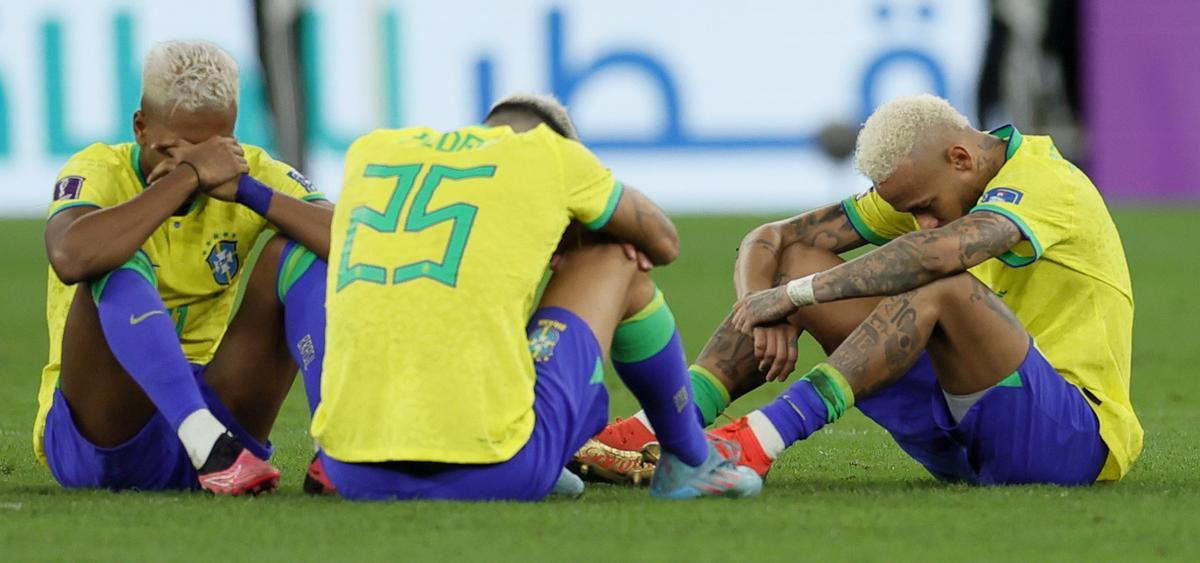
point(133, 320)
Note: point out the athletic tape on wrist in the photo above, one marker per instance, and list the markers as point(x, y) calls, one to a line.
point(254, 194)
point(800, 291)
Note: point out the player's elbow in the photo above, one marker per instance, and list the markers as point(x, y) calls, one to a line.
point(665, 248)
point(69, 266)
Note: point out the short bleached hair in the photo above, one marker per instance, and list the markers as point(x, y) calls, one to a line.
point(547, 108)
point(895, 128)
point(191, 76)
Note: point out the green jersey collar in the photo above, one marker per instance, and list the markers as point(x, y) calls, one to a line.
point(135, 160)
point(1009, 134)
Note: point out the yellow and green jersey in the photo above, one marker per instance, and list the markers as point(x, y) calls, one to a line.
point(439, 242)
point(197, 254)
point(1067, 280)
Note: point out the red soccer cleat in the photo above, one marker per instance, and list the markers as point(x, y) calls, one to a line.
point(245, 474)
point(628, 434)
point(624, 452)
point(752, 456)
point(316, 481)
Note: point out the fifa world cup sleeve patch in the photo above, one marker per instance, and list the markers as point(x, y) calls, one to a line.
point(1002, 195)
point(69, 187)
point(300, 179)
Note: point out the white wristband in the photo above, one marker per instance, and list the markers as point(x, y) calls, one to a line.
point(800, 291)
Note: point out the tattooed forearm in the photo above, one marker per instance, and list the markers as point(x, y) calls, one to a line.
point(639, 222)
point(918, 258)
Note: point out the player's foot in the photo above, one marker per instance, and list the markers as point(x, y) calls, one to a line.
point(718, 476)
point(596, 461)
point(569, 485)
point(232, 470)
point(629, 434)
point(623, 453)
point(316, 481)
point(751, 452)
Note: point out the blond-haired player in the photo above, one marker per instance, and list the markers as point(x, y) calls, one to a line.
point(149, 385)
point(989, 333)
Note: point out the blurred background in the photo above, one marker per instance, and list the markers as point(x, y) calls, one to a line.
point(708, 106)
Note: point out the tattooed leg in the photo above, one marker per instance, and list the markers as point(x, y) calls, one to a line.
point(972, 338)
point(729, 355)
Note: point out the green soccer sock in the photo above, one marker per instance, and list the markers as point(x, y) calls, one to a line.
point(648, 355)
point(711, 396)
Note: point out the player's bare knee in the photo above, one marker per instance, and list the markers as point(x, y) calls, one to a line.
point(798, 260)
point(273, 249)
point(601, 257)
point(948, 292)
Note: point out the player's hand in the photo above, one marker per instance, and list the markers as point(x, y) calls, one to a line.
point(216, 160)
point(163, 168)
point(762, 308)
point(775, 348)
point(632, 253)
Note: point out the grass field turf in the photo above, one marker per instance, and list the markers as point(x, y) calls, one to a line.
point(847, 494)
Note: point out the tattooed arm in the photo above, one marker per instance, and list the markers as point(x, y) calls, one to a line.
point(638, 221)
point(919, 257)
point(906, 263)
point(758, 256)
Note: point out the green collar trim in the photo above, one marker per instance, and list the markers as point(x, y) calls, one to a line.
point(1009, 134)
point(135, 160)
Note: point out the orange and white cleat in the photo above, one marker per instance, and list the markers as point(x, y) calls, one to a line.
point(752, 454)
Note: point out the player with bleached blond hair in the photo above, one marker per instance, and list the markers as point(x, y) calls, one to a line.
point(149, 385)
point(990, 332)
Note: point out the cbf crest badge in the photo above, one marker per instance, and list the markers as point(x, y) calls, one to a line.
point(223, 261)
point(545, 337)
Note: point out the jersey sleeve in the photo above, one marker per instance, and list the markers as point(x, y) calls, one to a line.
point(281, 177)
point(1043, 215)
point(592, 192)
point(91, 178)
point(876, 221)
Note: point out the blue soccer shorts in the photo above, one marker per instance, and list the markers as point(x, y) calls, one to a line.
point(570, 406)
point(154, 459)
point(1033, 427)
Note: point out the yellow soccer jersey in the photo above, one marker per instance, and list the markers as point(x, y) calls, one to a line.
point(1067, 281)
point(439, 242)
point(197, 256)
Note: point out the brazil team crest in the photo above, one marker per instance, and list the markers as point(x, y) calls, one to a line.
point(545, 337)
point(223, 261)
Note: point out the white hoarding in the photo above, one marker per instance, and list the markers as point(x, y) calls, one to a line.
point(708, 106)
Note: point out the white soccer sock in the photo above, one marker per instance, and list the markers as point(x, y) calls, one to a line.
point(641, 416)
point(768, 436)
point(199, 433)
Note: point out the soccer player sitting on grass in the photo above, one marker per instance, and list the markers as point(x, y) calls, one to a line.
point(149, 385)
point(441, 378)
point(989, 333)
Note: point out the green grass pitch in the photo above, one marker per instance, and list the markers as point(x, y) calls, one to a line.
point(847, 494)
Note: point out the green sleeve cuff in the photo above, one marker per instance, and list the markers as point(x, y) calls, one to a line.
point(140, 263)
point(71, 205)
point(1010, 258)
point(609, 208)
point(856, 221)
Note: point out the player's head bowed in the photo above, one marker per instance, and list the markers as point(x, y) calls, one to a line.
point(523, 112)
point(924, 157)
point(189, 93)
